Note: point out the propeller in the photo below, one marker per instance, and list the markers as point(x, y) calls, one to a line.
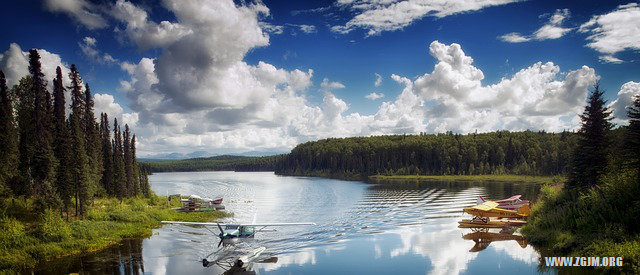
point(221, 235)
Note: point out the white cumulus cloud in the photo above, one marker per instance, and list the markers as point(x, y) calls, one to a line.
point(88, 45)
point(624, 100)
point(82, 11)
point(614, 32)
point(378, 80)
point(551, 30)
point(377, 16)
point(374, 96)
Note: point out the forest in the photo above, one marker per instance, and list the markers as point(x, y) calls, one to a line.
point(217, 163)
point(502, 152)
point(58, 160)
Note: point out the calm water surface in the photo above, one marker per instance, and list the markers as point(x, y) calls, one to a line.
point(363, 228)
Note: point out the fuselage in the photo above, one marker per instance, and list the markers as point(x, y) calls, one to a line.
point(234, 231)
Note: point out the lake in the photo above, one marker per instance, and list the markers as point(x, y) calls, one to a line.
point(362, 228)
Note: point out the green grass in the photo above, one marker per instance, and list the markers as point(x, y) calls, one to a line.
point(497, 178)
point(27, 239)
point(602, 221)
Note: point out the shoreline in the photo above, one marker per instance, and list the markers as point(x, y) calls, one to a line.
point(29, 241)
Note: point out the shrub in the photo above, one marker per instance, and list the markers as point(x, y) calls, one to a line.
point(53, 228)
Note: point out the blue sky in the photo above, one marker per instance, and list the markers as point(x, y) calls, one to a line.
point(259, 67)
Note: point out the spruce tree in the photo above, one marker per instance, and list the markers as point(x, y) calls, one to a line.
point(43, 162)
point(107, 156)
point(79, 170)
point(92, 144)
point(590, 155)
point(128, 169)
point(135, 169)
point(26, 136)
point(61, 142)
point(632, 138)
point(119, 176)
point(8, 139)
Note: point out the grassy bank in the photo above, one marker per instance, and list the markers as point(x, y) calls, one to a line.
point(602, 221)
point(497, 178)
point(27, 239)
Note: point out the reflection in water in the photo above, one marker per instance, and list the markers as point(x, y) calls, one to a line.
point(389, 228)
point(124, 258)
point(483, 238)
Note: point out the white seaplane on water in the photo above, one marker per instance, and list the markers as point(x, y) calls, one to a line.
point(232, 232)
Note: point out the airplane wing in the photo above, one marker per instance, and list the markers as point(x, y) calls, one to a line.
point(277, 224)
point(247, 224)
point(486, 206)
point(194, 223)
point(512, 198)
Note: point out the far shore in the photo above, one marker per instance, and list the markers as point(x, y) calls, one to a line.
point(494, 178)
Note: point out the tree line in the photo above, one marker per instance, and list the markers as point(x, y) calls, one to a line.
point(501, 152)
point(62, 161)
point(217, 163)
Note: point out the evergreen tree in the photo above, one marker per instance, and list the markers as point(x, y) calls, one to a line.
point(92, 145)
point(26, 136)
point(79, 170)
point(107, 156)
point(8, 139)
point(632, 138)
point(128, 169)
point(43, 163)
point(61, 142)
point(135, 175)
point(590, 155)
point(119, 176)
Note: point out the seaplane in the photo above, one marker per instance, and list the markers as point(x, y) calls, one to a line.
point(230, 233)
point(512, 203)
point(483, 214)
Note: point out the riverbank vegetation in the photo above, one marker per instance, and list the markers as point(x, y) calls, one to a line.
point(28, 238)
point(595, 212)
point(217, 163)
point(66, 183)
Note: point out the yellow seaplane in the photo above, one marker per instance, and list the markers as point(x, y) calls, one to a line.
point(488, 215)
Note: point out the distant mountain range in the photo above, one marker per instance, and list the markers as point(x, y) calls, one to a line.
point(205, 154)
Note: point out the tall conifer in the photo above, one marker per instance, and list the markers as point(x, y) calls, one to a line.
point(44, 162)
point(26, 136)
point(119, 177)
point(128, 169)
point(79, 170)
point(135, 169)
point(8, 139)
point(61, 142)
point(107, 156)
point(590, 156)
point(92, 144)
point(632, 138)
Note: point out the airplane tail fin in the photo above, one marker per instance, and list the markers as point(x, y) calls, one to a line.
point(480, 200)
point(524, 210)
